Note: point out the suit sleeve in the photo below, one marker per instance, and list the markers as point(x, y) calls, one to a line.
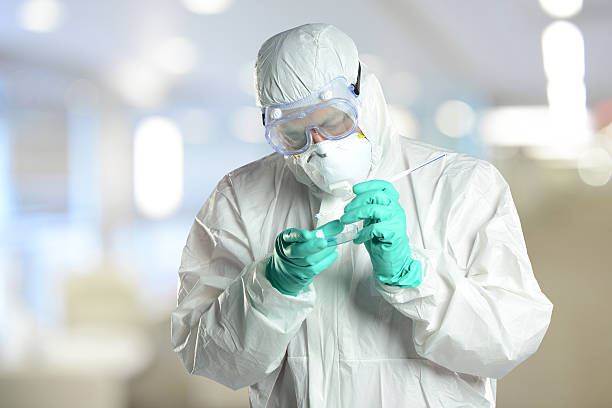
point(230, 324)
point(479, 309)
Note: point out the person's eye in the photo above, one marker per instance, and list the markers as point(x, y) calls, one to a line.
point(293, 135)
point(332, 124)
point(337, 124)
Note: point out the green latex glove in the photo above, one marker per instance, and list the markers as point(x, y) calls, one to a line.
point(298, 257)
point(384, 232)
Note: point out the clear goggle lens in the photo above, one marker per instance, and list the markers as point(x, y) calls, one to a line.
point(333, 120)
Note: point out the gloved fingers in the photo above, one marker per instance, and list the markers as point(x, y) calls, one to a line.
point(314, 259)
point(297, 235)
point(383, 185)
point(325, 262)
point(307, 271)
point(369, 211)
point(369, 197)
point(303, 249)
point(384, 231)
point(331, 228)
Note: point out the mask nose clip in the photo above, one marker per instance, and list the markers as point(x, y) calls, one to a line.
point(321, 155)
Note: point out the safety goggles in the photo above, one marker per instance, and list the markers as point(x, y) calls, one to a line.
point(330, 112)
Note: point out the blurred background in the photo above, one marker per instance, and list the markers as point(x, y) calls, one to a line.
point(117, 118)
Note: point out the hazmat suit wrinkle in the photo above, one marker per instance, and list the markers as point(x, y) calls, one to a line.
point(348, 340)
point(476, 309)
point(239, 333)
point(477, 314)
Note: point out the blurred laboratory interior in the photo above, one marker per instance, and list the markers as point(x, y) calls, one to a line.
point(117, 119)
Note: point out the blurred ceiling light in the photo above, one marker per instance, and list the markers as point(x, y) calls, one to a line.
point(561, 155)
point(139, 84)
point(566, 97)
point(207, 6)
point(404, 121)
point(563, 51)
point(455, 118)
point(176, 55)
point(561, 8)
point(516, 126)
point(247, 125)
point(40, 15)
point(573, 131)
point(564, 65)
point(595, 167)
point(569, 116)
point(567, 135)
point(536, 127)
point(158, 167)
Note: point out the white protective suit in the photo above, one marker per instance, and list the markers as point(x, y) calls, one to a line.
point(349, 340)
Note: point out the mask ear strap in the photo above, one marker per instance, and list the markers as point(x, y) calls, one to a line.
point(357, 84)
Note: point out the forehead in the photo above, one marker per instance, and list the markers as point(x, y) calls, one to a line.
point(316, 114)
point(329, 113)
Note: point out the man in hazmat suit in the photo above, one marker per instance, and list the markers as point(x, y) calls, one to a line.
point(432, 301)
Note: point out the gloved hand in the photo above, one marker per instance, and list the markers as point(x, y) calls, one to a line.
point(383, 233)
point(298, 257)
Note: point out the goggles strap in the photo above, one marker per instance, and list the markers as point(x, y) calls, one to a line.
point(356, 90)
point(357, 83)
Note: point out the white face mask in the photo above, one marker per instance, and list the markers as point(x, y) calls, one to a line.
point(336, 165)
